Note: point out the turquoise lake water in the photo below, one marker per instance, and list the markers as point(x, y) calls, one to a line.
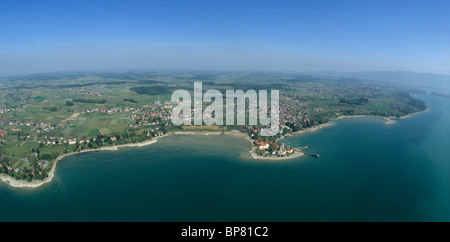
point(367, 171)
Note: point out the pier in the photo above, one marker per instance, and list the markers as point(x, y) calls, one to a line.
point(311, 154)
point(301, 149)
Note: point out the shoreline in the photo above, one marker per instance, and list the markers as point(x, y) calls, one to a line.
point(33, 184)
point(388, 120)
point(311, 129)
point(275, 158)
point(414, 114)
point(37, 183)
point(246, 137)
point(235, 133)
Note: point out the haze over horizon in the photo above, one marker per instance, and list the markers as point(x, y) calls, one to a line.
point(278, 36)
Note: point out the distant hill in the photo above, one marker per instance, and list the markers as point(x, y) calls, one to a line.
point(413, 79)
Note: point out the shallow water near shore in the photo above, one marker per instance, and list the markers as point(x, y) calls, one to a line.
point(367, 171)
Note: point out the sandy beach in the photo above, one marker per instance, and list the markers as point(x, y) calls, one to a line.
point(312, 129)
point(387, 120)
point(413, 114)
point(198, 132)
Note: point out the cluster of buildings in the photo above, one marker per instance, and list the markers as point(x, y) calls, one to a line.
point(8, 167)
point(151, 115)
point(293, 111)
point(150, 118)
point(6, 109)
point(52, 140)
point(277, 149)
point(108, 110)
point(85, 91)
point(2, 134)
point(41, 163)
point(42, 127)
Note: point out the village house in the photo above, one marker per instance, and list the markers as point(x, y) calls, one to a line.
point(263, 145)
point(42, 163)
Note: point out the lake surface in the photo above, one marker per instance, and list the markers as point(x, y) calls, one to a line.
point(367, 171)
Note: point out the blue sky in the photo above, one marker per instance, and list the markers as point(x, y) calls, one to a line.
point(293, 36)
